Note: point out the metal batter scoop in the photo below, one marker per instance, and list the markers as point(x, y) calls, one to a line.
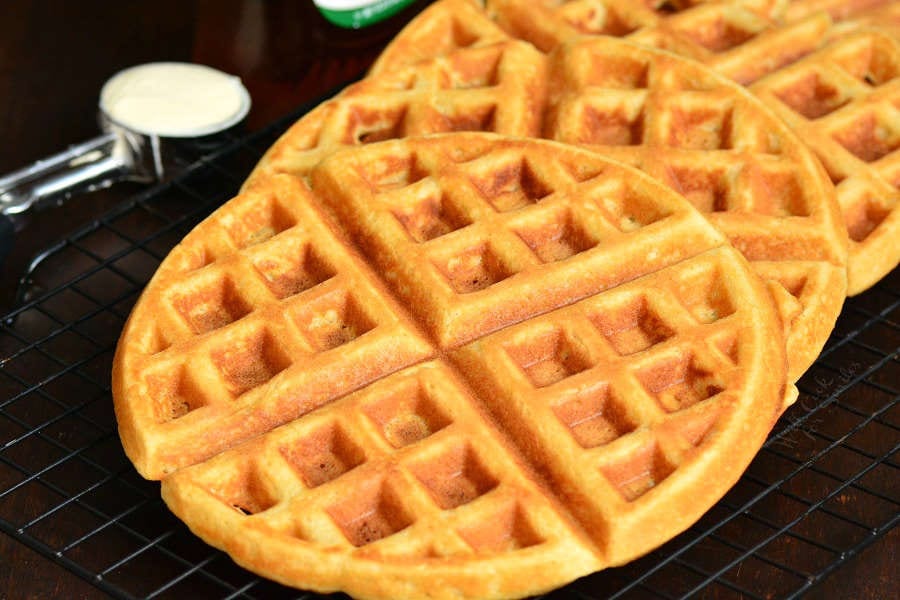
point(136, 146)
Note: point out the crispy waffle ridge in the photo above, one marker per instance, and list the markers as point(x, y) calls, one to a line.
point(844, 100)
point(704, 136)
point(453, 366)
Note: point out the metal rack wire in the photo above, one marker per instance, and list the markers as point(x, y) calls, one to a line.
point(92, 514)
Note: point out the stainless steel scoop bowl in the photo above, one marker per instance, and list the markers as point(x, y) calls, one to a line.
point(121, 153)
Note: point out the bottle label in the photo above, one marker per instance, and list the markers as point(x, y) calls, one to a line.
point(359, 13)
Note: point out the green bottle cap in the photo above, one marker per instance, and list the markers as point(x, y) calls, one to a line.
point(354, 14)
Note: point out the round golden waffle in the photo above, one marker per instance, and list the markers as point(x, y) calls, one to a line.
point(704, 136)
point(459, 366)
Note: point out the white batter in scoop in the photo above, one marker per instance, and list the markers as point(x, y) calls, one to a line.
point(173, 99)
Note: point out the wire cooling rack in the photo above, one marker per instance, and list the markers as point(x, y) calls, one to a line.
point(824, 487)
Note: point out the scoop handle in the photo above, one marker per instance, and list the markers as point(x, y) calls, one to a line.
point(7, 236)
point(87, 166)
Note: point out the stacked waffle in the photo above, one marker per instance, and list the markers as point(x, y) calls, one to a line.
point(425, 353)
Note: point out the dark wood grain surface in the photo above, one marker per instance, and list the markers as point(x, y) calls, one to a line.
point(55, 56)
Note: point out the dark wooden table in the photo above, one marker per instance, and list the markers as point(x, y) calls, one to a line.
point(55, 56)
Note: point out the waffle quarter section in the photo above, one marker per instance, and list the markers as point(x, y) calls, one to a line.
point(258, 316)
